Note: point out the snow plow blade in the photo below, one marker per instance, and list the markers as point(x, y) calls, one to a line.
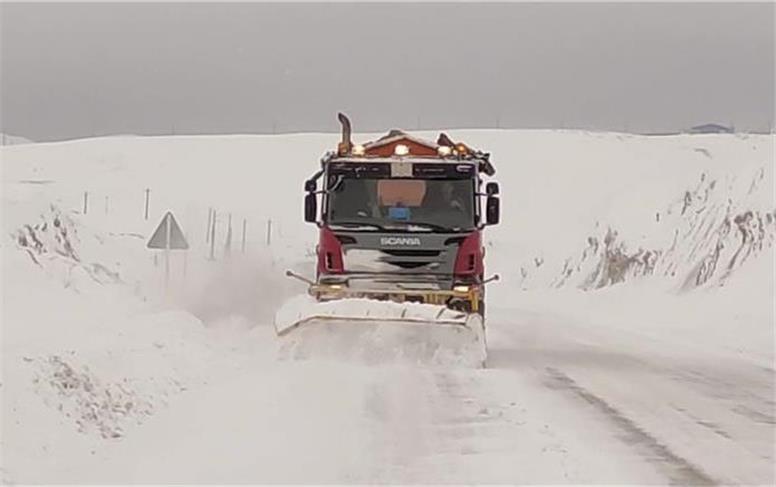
point(379, 332)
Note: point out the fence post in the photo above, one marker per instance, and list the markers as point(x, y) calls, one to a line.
point(244, 233)
point(213, 237)
point(147, 197)
point(269, 232)
point(209, 222)
point(228, 243)
point(86, 201)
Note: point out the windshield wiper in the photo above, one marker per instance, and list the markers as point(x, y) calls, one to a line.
point(357, 224)
point(434, 227)
point(402, 226)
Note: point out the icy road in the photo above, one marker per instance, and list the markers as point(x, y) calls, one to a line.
point(563, 401)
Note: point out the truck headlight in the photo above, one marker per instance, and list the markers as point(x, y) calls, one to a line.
point(461, 288)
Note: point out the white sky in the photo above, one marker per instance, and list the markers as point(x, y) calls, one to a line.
point(93, 69)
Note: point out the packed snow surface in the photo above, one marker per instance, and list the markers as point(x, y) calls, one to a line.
point(634, 314)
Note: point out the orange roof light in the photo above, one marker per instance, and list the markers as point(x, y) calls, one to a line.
point(461, 148)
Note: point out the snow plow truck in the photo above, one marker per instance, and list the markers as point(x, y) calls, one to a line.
point(400, 255)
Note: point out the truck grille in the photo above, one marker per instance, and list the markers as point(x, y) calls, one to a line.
point(412, 252)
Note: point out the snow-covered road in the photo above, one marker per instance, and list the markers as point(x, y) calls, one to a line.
point(695, 417)
point(562, 401)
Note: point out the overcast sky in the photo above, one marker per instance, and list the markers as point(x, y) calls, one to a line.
point(94, 69)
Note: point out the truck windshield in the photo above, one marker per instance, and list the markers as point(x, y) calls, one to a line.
point(410, 204)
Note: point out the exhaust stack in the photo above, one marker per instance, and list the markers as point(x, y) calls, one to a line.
point(346, 145)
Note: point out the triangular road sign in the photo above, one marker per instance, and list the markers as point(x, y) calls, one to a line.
point(168, 235)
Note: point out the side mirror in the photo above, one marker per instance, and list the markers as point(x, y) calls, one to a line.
point(493, 210)
point(491, 189)
point(310, 185)
point(310, 208)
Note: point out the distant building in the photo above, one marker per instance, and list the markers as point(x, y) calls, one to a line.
point(711, 128)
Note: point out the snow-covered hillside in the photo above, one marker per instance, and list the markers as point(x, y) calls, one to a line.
point(701, 236)
point(624, 259)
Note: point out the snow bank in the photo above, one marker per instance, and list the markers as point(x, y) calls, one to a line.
point(92, 346)
point(687, 210)
point(703, 237)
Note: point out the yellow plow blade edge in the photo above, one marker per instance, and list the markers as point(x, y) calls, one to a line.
point(379, 332)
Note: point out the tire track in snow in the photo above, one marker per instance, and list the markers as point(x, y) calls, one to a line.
point(677, 469)
point(743, 390)
point(428, 423)
point(395, 401)
point(441, 426)
point(705, 405)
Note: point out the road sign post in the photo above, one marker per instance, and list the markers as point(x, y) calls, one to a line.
point(168, 236)
point(167, 253)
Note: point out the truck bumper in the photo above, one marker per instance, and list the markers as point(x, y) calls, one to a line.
point(466, 297)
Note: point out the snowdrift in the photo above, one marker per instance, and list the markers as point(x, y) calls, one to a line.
point(91, 346)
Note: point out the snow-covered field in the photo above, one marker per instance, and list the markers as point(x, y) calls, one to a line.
point(631, 338)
